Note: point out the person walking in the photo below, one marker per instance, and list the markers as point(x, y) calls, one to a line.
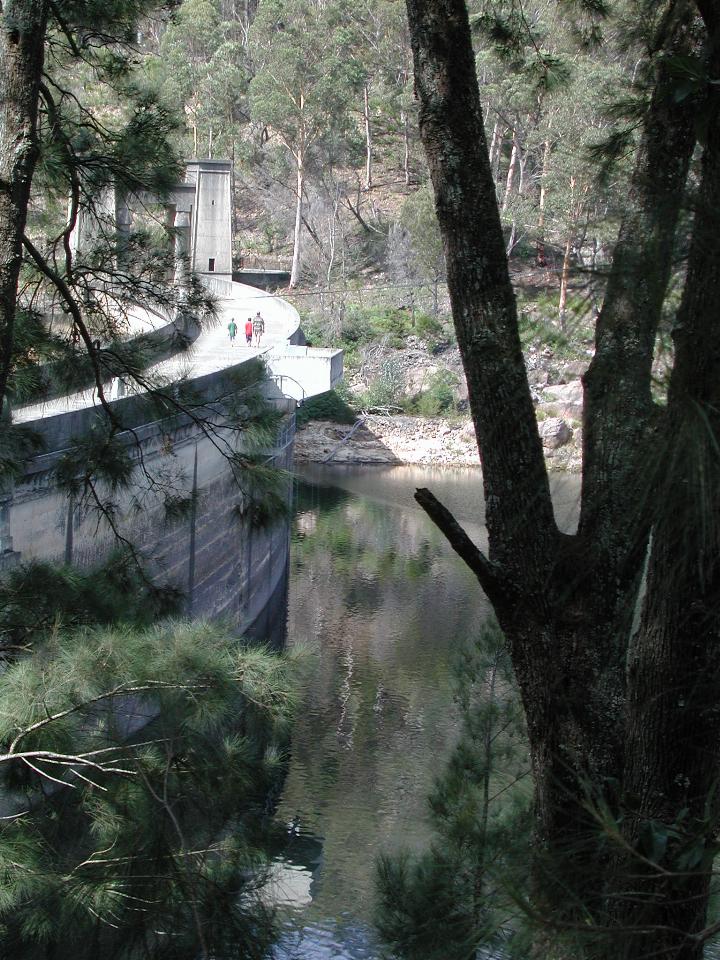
point(248, 331)
point(258, 328)
point(232, 330)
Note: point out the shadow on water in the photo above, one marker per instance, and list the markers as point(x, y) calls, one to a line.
point(382, 607)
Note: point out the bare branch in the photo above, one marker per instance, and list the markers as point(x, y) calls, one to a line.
point(490, 576)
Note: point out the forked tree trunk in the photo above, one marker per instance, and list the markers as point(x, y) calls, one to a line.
point(22, 41)
point(565, 603)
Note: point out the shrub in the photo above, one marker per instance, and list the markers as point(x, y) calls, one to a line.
point(439, 396)
point(429, 328)
point(325, 406)
point(316, 332)
point(388, 387)
point(395, 325)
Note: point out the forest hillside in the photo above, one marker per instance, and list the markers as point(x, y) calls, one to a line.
point(315, 105)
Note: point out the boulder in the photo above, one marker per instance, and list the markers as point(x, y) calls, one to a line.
point(554, 433)
point(566, 399)
point(571, 392)
point(572, 370)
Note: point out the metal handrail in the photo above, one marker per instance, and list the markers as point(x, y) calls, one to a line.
point(279, 377)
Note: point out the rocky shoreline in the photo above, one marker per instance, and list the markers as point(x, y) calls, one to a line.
point(555, 387)
point(428, 441)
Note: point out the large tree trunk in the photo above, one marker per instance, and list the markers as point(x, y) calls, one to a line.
point(673, 742)
point(564, 602)
point(618, 409)
point(22, 40)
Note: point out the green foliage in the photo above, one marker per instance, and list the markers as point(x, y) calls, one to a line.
point(536, 329)
point(424, 917)
point(17, 443)
point(325, 406)
point(302, 87)
point(203, 66)
point(266, 490)
point(32, 343)
point(387, 389)
point(458, 896)
point(430, 329)
point(103, 865)
point(438, 395)
point(100, 455)
point(37, 597)
point(418, 219)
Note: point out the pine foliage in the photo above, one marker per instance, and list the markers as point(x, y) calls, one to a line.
point(137, 766)
point(459, 895)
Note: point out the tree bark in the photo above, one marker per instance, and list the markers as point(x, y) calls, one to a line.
point(511, 171)
point(540, 256)
point(22, 43)
point(368, 137)
point(616, 488)
point(406, 146)
point(565, 602)
point(673, 731)
point(297, 242)
point(482, 297)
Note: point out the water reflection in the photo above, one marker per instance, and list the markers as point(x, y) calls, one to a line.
point(381, 605)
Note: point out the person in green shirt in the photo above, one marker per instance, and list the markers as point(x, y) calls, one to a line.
point(232, 330)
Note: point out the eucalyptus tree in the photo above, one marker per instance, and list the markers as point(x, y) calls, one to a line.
point(418, 221)
point(620, 688)
point(305, 81)
point(201, 64)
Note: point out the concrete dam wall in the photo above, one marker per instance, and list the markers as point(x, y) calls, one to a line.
point(224, 565)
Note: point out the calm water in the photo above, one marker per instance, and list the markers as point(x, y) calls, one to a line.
point(380, 606)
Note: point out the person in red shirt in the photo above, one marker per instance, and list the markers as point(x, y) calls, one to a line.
point(248, 331)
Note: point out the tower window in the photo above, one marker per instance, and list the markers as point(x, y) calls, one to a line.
point(211, 265)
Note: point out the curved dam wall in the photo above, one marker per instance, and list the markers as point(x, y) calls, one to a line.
point(223, 564)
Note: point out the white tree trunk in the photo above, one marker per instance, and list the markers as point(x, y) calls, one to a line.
point(406, 138)
point(295, 271)
point(564, 279)
point(510, 173)
point(368, 138)
point(495, 142)
point(541, 258)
